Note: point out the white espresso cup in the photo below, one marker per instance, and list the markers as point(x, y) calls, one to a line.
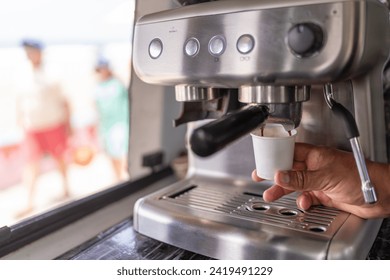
point(273, 147)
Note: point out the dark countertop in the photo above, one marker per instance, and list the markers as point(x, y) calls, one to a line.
point(381, 248)
point(121, 242)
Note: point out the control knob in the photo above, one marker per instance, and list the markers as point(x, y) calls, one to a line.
point(305, 39)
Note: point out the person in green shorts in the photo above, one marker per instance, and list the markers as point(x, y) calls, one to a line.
point(112, 104)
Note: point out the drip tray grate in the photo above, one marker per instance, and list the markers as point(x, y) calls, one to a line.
point(251, 206)
point(223, 220)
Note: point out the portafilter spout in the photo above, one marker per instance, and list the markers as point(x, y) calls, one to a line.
point(280, 104)
point(284, 102)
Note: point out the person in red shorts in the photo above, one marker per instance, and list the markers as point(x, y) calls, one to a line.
point(43, 113)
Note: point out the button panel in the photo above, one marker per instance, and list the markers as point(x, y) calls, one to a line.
point(217, 46)
point(300, 39)
point(155, 48)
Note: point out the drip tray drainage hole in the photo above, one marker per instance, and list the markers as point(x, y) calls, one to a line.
point(317, 229)
point(288, 212)
point(257, 207)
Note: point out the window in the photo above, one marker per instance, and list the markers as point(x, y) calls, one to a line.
point(85, 49)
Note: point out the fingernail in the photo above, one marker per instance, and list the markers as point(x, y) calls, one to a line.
point(300, 205)
point(285, 177)
point(302, 201)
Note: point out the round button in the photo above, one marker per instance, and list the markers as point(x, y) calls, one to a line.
point(245, 44)
point(191, 47)
point(155, 48)
point(217, 45)
point(305, 39)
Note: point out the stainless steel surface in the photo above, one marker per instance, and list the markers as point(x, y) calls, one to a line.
point(328, 94)
point(319, 125)
point(271, 61)
point(228, 220)
point(267, 94)
point(188, 93)
point(285, 102)
point(257, 47)
point(351, 51)
point(367, 188)
point(369, 114)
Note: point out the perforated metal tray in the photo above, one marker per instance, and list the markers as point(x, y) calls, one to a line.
point(230, 220)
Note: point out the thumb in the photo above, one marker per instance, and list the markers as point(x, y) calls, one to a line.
point(298, 180)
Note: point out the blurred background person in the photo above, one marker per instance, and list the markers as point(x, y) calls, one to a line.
point(112, 105)
point(44, 114)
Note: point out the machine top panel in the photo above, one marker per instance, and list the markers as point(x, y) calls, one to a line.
point(231, 6)
point(230, 44)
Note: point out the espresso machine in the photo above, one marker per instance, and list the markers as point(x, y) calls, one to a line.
point(238, 64)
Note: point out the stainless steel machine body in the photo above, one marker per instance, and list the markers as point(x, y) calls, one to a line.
point(273, 52)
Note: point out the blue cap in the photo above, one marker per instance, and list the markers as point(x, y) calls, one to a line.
point(32, 43)
point(102, 63)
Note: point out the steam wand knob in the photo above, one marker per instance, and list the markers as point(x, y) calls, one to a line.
point(352, 133)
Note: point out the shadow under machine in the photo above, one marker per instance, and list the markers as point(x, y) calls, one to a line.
point(308, 65)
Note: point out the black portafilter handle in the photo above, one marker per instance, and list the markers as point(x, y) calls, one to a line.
point(212, 137)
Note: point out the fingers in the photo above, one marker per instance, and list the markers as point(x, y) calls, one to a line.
point(298, 180)
point(301, 151)
point(305, 201)
point(275, 192)
point(298, 165)
point(255, 177)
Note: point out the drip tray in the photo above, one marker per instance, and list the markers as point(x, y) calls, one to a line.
point(226, 221)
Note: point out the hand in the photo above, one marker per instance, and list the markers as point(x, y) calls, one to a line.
point(329, 177)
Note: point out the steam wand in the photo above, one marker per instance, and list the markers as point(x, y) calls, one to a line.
point(352, 134)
